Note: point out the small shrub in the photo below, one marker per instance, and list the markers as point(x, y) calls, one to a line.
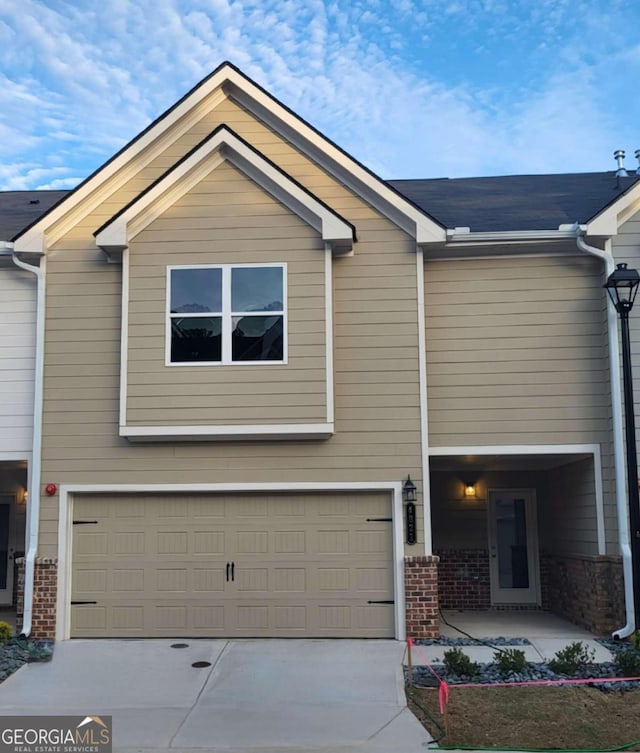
point(627, 661)
point(458, 663)
point(573, 658)
point(5, 632)
point(510, 660)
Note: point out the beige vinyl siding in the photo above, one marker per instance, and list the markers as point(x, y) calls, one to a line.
point(516, 352)
point(221, 221)
point(375, 361)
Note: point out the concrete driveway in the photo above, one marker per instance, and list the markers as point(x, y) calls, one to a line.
point(284, 695)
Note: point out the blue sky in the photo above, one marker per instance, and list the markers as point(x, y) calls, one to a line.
point(412, 88)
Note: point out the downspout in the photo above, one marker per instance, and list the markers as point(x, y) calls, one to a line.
point(618, 445)
point(33, 508)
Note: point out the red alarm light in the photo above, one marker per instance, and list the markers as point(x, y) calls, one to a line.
point(51, 489)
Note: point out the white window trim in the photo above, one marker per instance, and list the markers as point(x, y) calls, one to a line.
point(65, 529)
point(227, 315)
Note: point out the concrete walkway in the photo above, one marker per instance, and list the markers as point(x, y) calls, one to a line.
point(547, 634)
point(288, 696)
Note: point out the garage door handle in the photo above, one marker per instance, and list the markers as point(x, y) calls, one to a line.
point(228, 566)
point(382, 601)
point(233, 567)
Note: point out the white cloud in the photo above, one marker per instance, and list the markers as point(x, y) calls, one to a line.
point(398, 85)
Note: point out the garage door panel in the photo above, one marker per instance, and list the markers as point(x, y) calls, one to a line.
point(303, 565)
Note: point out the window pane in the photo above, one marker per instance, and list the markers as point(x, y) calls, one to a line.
point(256, 289)
point(257, 338)
point(197, 338)
point(196, 290)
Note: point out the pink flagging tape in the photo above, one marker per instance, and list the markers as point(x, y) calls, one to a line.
point(581, 681)
point(443, 687)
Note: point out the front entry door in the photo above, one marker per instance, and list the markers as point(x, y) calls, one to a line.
point(513, 547)
point(6, 548)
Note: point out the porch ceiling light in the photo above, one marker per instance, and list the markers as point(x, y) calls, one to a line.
point(408, 490)
point(622, 287)
point(470, 491)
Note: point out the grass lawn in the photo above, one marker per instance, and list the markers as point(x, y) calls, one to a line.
point(535, 717)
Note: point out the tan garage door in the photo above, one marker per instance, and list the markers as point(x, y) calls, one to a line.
point(275, 565)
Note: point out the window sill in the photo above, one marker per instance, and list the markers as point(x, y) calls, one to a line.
point(234, 432)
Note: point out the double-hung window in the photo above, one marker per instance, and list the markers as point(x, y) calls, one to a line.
point(226, 314)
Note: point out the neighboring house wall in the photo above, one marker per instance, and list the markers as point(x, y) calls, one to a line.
point(375, 355)
point(227, 219)
point(17, 359)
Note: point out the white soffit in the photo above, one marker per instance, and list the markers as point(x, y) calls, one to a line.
point(195, 105)
point(223, 144)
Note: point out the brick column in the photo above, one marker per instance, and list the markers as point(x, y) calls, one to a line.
point(421, 596)
point(45, 586)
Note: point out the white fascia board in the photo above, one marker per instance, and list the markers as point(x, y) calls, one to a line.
point(125, 165)
point(239, 432)
point(223, 144)
point(607, 222)
point(329, 156)
point(190, 110)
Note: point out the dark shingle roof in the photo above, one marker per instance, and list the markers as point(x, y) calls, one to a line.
point(20, 208)
point(515, 202)
point(508, 202)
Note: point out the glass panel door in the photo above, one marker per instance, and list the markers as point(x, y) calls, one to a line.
point(513, 547)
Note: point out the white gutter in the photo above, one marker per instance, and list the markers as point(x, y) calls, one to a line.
point(33, 508)
point(618, 444)
point(464, 235)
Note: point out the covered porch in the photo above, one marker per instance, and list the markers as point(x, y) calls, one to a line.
point(13, 513)
point(526, 533)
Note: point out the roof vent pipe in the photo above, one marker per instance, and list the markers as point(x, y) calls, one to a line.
point(619, 156)
point(637, 153)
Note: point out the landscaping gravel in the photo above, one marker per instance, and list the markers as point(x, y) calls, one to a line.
point(17, 652)
point(464, 641)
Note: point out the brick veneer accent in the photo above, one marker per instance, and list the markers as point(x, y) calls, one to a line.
point(463, 579)
point(43, 622)
point(421, 596)
point(589, 591)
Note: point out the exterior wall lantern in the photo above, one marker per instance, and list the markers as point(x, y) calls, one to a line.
point(409, 498)
point(622, 287)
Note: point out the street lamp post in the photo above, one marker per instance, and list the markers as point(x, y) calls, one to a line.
point(622, 287)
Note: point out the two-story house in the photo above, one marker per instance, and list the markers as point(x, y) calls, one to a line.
point(245, 345)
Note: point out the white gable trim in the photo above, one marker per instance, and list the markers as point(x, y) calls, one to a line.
point(223, 145)
point(607, 222)
point(195, 105)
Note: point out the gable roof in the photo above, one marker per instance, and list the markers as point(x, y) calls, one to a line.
point(516, 202)
point(229, 81)
point(221, 145)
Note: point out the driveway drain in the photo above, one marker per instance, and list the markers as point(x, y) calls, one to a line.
point(179, 645)
point(200, 664)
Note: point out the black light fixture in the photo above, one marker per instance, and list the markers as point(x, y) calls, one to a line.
point(622, 287)
point(409, 498)
point(408, 490)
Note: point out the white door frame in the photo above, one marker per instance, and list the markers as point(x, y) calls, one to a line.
point(515, 596)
